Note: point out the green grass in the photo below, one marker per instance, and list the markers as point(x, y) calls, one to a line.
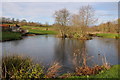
point(36, 31)
point(39, 30)
point(111, 73)
point(108, 35)
point(5, 36)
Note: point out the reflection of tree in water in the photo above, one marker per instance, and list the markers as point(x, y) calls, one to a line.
point(60, 51)
point(17, 42)
point(61, 54)
point(78, 54)
point(118, 51)
point(67, 50)
point(81, 56)
point(46, 36)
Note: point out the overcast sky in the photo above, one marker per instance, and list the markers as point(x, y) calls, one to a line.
point(43, 11)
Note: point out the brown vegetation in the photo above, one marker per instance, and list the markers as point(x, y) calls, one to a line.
point(53, 70)
point(88, 70)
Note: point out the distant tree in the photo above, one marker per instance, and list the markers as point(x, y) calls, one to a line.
point(8, 20)
point(108, 24)
point(3, 19)
point(17, 21)
point(23, 22)
point(13, 20)
point(0, 19)
point(46, 24)
point(62, 17)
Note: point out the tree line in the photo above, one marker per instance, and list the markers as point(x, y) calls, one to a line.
point(108, 27)
point(23, 22)
point(77, 25)
point(79, 21)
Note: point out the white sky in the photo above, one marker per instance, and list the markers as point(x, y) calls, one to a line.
point(60, 0)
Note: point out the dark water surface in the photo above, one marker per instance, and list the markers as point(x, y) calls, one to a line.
point(48, 49)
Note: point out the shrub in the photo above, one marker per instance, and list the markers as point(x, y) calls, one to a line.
point(33, 71)
point(20, 67)
point(88, 70)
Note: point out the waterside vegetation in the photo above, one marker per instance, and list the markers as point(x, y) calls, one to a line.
point(20, 67)
point(7, 36)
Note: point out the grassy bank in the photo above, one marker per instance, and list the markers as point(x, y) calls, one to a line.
point(37, 31)
point(108, 35)
point(6, 36)
point(40, 30)
point(111, 73)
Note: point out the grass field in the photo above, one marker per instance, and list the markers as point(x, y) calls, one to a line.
point(40, 30)
point(108, 35)
point(6, 36)
point(37, 31)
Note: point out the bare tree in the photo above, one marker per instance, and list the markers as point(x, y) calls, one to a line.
point(62, 20)
point(87, 16)
point(75, 20)
point(84, 18)
point(62, 17)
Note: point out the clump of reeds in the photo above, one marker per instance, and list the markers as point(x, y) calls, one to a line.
point(53, 70)
point(105, 63)
point(85, 69)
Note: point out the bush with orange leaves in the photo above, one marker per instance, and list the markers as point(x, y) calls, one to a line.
point(88, 70)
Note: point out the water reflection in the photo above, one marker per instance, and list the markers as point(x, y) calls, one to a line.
point(68, 52)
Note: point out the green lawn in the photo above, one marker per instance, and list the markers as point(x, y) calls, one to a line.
point(111, 73)
point(4, 36)
point(108, 35)
point(39, 30)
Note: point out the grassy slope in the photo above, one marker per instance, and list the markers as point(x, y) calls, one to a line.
point(5, 36)
point(39, 30)
point(111, 73)
point(108, 35)
point(9, 36)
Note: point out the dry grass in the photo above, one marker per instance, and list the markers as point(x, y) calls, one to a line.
point(53, 70)
point(105, 63)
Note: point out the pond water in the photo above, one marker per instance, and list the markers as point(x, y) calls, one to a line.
point(48, 49)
